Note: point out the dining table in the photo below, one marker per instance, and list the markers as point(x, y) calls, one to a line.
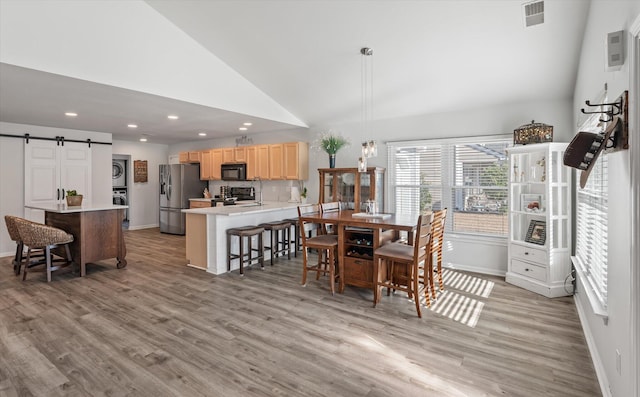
point(359, 235)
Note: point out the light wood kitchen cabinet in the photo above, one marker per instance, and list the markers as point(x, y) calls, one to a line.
point(352, 188)
point(216, 162)
point(257, 162)
point(189, 157)
point(240, 154)
point(205, 165)
point(296, 160)
point(228, 155)
point(276, 161)
point(199, 204)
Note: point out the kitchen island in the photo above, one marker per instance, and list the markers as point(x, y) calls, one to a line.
point(206, 234)
point(96, 229)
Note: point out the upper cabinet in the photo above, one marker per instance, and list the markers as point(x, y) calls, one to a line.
point(190, 157)
point(240, 154)
point(258, 162)
point(279, 161)
point(205, 165)
point(276, 161)
point(228, 155)
point(296, 160)
point(217, 157)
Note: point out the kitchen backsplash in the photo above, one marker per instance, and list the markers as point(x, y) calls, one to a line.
point(272, 190)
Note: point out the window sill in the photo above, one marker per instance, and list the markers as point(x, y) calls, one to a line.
point(597, 307)
point(474, 238)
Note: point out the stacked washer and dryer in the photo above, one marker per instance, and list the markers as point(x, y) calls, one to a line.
point(119, 174)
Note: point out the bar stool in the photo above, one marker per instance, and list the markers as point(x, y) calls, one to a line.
point(37, 236)
point(295, 239)
point(245, 258)
point(280, 238)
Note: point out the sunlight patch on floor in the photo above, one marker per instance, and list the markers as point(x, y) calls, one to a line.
point(467, 283)
point(457, 307)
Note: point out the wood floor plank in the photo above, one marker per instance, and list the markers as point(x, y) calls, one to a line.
point(159, 328)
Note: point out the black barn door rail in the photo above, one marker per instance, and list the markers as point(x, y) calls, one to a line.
point(60, 140)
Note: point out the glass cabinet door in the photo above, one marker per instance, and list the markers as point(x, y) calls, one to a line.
point(346, 189)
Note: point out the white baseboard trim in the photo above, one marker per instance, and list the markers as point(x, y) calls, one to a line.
point(8, 253)
point(475, 269)
point(603, 381)
point(139, 227)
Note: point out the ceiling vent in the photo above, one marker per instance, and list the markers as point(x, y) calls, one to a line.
point(533, 13)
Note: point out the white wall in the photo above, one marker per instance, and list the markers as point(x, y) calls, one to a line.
point(605, 338)
point(12, 170)
point(144, 197)
point(168, 62)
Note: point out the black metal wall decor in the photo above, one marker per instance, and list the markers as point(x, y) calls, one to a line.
point(584, 149)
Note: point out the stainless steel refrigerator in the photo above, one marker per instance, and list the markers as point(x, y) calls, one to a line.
point(178, 183)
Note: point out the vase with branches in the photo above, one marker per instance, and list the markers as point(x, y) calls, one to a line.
point(331, 142)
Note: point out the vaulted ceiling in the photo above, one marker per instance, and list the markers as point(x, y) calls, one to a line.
point(429, 57)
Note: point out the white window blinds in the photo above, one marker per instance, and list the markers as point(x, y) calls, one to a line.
point(592, 230)
point(467, 176)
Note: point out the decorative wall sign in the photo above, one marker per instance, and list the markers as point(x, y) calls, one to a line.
point(140, 173)
point(537, 233)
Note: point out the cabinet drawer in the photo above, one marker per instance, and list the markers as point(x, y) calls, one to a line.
point(529, 270)
point(530, 254)
point(199, 204)
point(358, 272)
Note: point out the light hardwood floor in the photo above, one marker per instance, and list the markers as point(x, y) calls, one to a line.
point(160, 328)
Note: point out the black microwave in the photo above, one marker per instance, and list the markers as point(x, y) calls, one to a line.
point(234, 172)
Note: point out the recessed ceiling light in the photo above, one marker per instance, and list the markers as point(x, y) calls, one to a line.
point(247, 124)
point(172, 117)
point(242, 128)
point(132, 125)
point(202, 133)
point(143, 139)
point(71, 114)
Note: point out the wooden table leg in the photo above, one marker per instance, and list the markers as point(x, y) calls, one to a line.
point(341, 254)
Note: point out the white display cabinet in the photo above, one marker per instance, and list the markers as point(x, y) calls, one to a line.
point(540, 219)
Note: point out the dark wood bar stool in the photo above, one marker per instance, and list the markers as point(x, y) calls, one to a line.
point(295, 237)
point(245, 258)
point(280, 238)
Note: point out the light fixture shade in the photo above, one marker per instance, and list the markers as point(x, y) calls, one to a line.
point(369, 149)
point(362, 164)
point(532, 133)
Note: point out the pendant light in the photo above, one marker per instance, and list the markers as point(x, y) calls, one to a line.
point(369, 148)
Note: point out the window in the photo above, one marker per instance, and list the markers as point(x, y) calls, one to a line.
point(468, 176)
point(591, 233)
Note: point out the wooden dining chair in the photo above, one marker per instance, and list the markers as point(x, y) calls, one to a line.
point(326, 208)
point(396, 266)
point(325, 244)
point(435, 253)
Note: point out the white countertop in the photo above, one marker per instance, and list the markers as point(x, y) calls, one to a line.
point(65, 209)
point(243, 209)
